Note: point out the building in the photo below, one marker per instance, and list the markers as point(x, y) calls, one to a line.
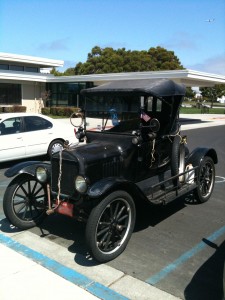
point(25, 80)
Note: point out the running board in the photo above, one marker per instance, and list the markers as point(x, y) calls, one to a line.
point(165, 191)
point(170, 193)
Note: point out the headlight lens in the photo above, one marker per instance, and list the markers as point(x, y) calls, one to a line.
point(81, 184)
point(41, 174)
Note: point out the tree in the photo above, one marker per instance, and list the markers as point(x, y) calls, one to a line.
point(69, 72)
point(190, 94)
point(213, 93)
point(55, 72)
point(107, 60)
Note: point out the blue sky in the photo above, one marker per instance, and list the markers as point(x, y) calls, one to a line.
point(69, 29)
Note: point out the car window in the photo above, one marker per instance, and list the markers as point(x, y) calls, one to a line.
point(33, 123)
point(10, 126)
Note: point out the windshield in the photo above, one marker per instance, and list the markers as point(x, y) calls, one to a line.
point(112, 113)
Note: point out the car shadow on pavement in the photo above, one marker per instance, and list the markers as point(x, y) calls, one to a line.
point(209, 281)
point(6, 227)
point(151, 215)
point(62, 229)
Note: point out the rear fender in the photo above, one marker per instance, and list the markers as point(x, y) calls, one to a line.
point(197, 155)
point(27, 167)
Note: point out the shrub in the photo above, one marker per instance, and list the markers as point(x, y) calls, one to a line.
point(45, 111)
point(63, 111)
point(14, 108)
point(19, 108)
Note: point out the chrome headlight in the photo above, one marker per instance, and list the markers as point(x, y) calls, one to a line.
point(81, 184)
point(41, 174)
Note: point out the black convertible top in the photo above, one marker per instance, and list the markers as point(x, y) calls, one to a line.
point(154, 87)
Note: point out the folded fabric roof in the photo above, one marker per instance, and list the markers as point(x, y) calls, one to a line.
point(155, 87)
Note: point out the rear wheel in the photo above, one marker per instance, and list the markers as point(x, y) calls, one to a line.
point(24, 201)
point(110, 226)
point(178, 159)
point(55, 146)
point(205, 180)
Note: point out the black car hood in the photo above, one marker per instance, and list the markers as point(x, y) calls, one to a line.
point(98, 150)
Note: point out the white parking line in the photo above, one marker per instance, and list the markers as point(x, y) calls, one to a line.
point(220, 179)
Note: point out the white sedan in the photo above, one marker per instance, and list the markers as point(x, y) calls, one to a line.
point(25, 135)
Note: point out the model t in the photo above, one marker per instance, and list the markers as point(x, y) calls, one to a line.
point(131, 150)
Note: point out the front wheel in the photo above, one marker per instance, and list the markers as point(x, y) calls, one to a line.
point(205, 180)
point(24, 201)
point(110, 226)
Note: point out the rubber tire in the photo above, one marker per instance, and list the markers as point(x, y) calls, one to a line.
point(52, 145)
point(93, 221)
point(8, 207)
point(198, 192)
point(178, 160)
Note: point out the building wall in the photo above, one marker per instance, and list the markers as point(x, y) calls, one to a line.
point(31, 96)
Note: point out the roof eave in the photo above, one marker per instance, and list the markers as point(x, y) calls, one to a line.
point(32, 60)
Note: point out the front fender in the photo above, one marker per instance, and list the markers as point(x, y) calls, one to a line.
point(199, 153)
point(27, 167)
point(105, 185)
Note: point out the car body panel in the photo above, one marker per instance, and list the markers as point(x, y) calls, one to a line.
point(24, 141)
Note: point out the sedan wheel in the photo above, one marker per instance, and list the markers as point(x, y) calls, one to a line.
point(55, 146)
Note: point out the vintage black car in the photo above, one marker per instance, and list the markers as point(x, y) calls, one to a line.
point(130, 150)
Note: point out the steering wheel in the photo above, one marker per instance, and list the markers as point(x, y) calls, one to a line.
point(154, 125)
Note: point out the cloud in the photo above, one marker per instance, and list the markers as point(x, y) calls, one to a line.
point(181, 40)
point(214, 64)
point(56, 45)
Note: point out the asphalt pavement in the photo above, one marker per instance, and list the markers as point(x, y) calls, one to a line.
point(28, 274)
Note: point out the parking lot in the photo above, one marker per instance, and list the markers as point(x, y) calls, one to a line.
point(179, 248)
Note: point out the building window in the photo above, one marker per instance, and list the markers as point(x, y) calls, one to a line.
point(4, 67)
point(16, 68)
point(31, 69)
point(19, 68)
point(10, 94)
point(67, 94)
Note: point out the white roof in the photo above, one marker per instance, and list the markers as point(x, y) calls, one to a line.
point(31, 60)
point(187, 77)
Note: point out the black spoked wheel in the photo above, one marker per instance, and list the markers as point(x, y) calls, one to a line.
point(205, 180)
point(110, 226)
point(24, 201)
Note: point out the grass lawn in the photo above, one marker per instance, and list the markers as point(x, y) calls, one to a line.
point(193, 110)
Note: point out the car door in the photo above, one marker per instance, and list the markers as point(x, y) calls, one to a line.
point(11, 139)
point(37, 136)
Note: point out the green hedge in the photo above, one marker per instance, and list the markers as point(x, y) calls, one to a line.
point(12, 109)
point(59, 111)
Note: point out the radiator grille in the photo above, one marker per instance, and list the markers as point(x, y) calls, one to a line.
point(69, 172)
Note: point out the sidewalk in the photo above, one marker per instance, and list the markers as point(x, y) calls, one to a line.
point(23, 279)
point(28, 274)
point(189, 121)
